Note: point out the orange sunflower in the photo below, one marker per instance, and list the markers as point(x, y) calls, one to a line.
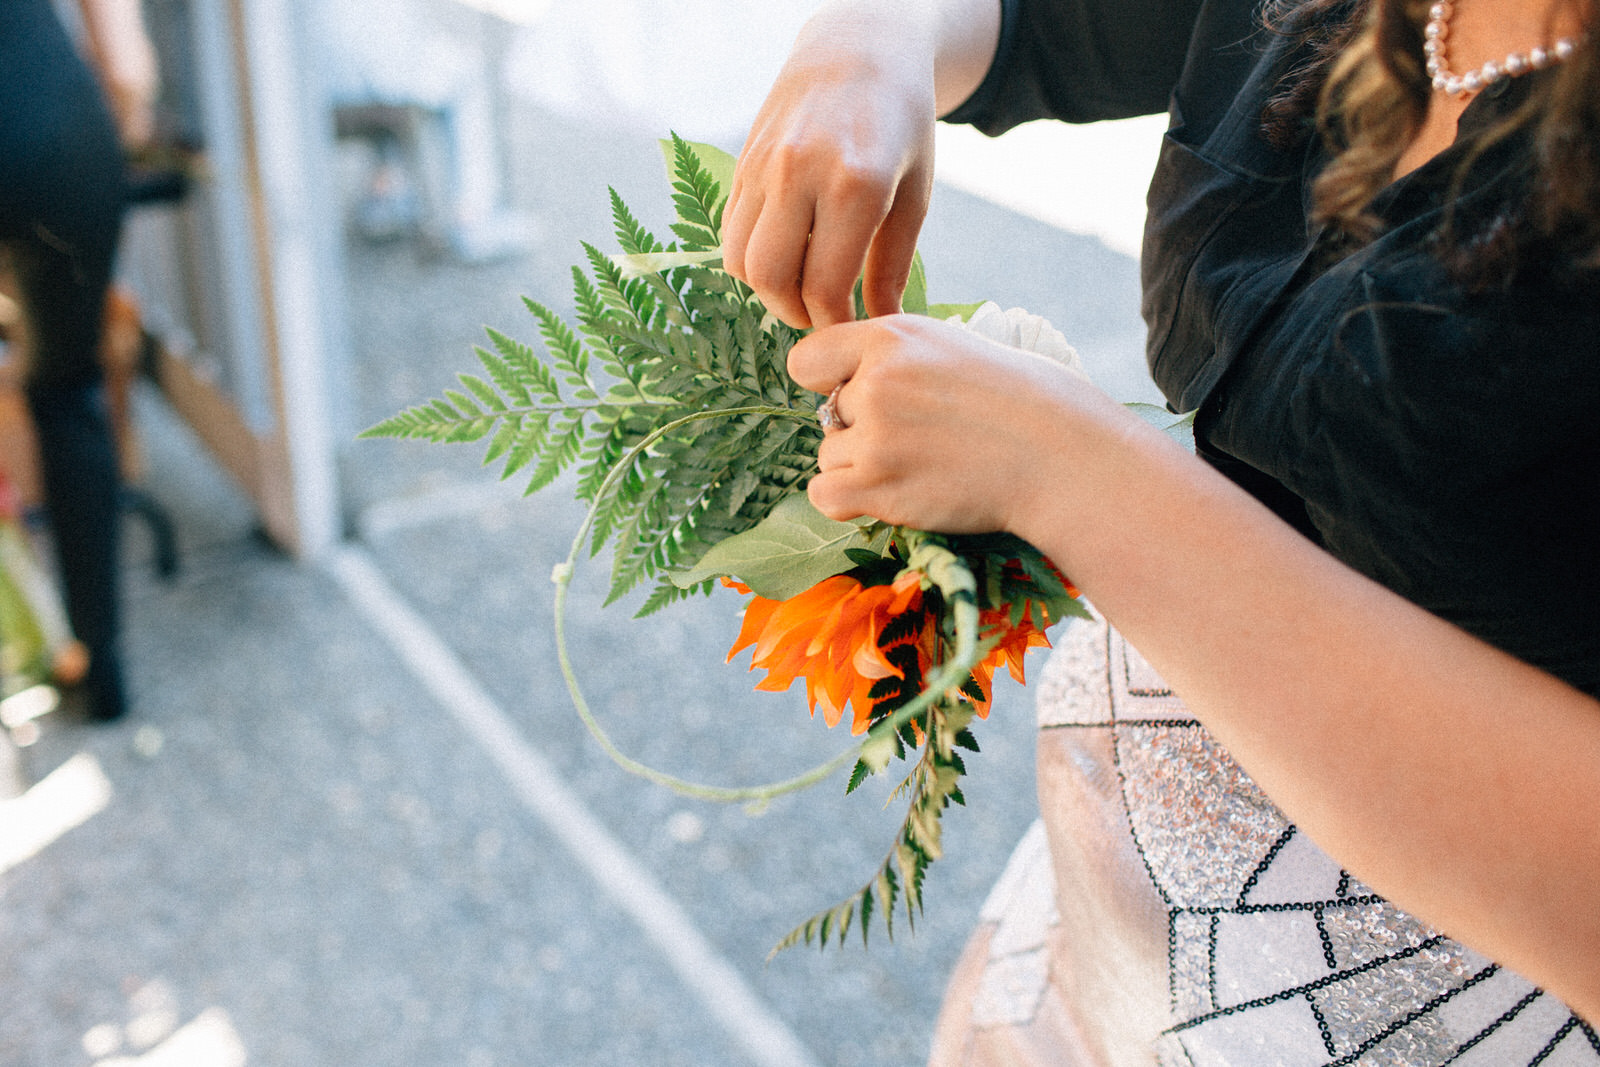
point(832, 636)
point(829, 636)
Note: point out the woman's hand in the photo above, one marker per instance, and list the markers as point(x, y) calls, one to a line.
point(834, 180)
point(943, 429)
point(1345, 703)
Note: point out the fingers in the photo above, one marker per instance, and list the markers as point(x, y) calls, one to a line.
point(738, 219)
point(888, 264)
point(847, 125)
point(844, 228)
point(764, 245)
point(837, 490)
point(801, 248)
point(856, 478)
point(831, 495)
point(822, 360)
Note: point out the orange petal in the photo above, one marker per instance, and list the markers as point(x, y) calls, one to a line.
point(870, 662)
point(757, 614)
point(863, 705)
point(907, 592)
point(831, 712)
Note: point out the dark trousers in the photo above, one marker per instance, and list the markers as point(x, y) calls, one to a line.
point(61, 204)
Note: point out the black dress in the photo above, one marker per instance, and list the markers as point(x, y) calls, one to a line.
point(61, 203)
point(1439, 440)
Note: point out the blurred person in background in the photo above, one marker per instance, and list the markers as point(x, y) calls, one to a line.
point(70, 111)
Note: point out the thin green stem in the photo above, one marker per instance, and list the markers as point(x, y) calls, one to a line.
point(969, 650)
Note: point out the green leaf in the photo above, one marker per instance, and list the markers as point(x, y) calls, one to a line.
point(1179, 427)
point(717, 163)
point(788, 552)
point(463, 402)
point(915, 299)
point(633, 237)
point(637, 264)
point(946, 311)
point(858, 774)
point(504, 438)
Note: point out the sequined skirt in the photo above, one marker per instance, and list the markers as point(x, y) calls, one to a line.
point(1163, 911)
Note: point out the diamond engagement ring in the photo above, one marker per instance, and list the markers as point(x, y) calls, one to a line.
point(828, 411)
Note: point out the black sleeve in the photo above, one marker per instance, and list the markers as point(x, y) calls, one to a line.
point(1081, 61)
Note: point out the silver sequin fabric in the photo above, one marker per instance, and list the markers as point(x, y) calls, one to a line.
point(1276, 956)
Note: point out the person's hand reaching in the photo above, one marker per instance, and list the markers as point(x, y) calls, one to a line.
point(834, 179)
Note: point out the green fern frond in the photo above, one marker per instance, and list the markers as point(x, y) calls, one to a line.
point(514, 384)
point(631, 298)
point(669, 398)
point(564, 347)
point(697, 195)
point(695, 238)
point(666, 594)
point(933, 786)
point(631, 236)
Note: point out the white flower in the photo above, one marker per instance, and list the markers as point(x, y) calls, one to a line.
point(1023, 329)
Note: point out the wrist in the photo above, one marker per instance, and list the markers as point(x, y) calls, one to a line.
point(948, 44)
point(889, 42)
point(1100, 464)
point(968, 38)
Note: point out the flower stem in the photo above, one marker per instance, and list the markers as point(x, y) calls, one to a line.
point(949, 675)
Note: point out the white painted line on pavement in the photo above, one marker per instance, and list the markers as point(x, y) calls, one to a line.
point(721, 989)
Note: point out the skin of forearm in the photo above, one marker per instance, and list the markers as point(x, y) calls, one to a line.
point(124, 60)
point(121, 48)
point(969, 32)
point(1457, 780)
point(956, 37)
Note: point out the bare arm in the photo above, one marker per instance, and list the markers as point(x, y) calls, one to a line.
point(125, 61)
point(1458, 781)
point(836, 174)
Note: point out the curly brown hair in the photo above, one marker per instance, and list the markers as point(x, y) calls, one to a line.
point(1366, 89)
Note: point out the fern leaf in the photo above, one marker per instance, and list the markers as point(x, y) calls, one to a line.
point(858, 774)
point(524, 447)
point(698, 196)
point(463, 402)
point(630, 297)
point(631, 236)
point(511, 385)
point(562, 343)
point(402, 425)
point(504, 438)
point(526, 370)
point(694, 237)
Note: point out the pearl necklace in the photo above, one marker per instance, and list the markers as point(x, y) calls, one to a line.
point(1437, 31)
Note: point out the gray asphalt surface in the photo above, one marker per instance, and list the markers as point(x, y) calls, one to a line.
point(304, 858)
